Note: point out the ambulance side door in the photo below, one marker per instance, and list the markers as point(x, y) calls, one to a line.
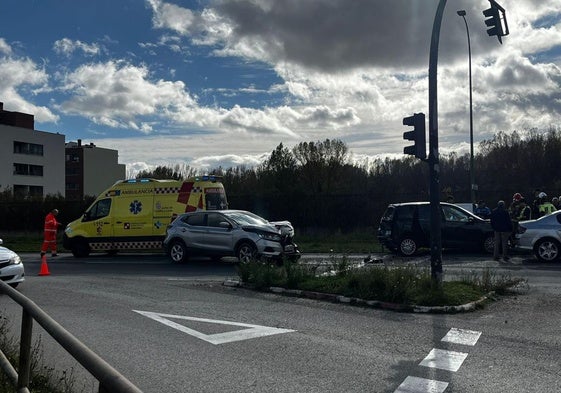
point(133, 216)
point(97, 221)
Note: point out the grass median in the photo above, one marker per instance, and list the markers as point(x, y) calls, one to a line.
point(407, 285)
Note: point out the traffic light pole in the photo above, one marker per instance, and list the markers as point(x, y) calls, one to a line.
point(433, 159)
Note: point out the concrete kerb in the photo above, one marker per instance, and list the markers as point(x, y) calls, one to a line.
point(468, 307)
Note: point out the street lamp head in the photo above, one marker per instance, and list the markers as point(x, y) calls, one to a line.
point(462, 12)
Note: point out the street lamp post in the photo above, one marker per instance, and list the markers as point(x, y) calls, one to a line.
point(473, 186)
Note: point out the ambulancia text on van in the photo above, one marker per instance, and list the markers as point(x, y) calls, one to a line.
point(134, 214)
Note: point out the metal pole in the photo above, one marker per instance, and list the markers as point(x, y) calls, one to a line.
point(473, 186)
point(24, 375)
point(433, 160)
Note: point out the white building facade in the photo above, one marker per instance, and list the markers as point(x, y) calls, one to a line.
point(31, 162)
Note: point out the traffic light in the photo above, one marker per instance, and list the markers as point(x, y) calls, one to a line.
point(496, 17)
point(417, 135)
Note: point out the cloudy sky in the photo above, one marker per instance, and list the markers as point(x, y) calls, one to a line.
point(223, 82)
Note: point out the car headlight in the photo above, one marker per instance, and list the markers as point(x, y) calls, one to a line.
point(270, 236)
point(15, 260)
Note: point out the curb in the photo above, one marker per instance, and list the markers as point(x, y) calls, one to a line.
point(468, 307)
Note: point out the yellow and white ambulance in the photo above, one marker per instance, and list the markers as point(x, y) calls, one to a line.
point(134, 214)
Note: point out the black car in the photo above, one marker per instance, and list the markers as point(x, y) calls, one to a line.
point(405, 227)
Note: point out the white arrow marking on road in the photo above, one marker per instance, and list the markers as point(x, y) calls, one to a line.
point(253, 331)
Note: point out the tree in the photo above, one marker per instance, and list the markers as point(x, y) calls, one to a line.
point(161, 172)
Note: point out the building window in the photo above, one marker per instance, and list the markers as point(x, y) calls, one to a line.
point(28, 148)
point(28, 170)
point(72, 158)
point(72, 171)
point(22, 191)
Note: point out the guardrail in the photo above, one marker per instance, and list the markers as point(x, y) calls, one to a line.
point(110, 380)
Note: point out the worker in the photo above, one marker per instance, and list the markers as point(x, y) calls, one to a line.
point(49, 237)
point(544, 206)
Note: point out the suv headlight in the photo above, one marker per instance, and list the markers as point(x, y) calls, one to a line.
point(270, 236)
point(15, 260)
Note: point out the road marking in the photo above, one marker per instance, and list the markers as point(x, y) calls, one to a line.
point(444, 360)
point(441, 359)
point(252, 331)
point(462, 336)
point(421, 385)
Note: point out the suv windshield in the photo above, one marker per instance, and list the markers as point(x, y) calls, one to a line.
point(245, 218)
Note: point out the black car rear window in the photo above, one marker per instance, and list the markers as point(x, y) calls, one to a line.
point(424, 212)
point(405, 213)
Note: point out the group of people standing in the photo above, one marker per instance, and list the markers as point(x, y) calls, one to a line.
point(505, 220)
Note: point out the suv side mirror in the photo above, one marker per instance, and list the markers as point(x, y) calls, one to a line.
point(225, 224)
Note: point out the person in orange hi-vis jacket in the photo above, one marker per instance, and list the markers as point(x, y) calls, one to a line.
point(51, 226)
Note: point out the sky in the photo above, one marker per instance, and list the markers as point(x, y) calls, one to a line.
point(208, 83)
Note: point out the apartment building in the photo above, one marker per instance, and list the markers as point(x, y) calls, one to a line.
point(90, 169)
point(36, 163)
point(31, 161)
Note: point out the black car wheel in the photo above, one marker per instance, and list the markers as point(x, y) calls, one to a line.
point(547, 250)
point(489, 244)
point(408, 246)
point(178, 251)
point(246, 252)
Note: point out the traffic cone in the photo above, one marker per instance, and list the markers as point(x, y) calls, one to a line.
point(44, 267)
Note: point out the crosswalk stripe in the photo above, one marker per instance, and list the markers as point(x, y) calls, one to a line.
point(421, 385)
point(462, 336)
point(444, 360)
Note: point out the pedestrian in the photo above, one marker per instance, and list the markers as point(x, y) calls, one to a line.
point(514, 208)
point(482, 210)
point(544, 206)
point(555, 202)
point(502, 225)
point(49, 237)
point(525, 212)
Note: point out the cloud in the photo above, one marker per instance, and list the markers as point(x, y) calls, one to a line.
point(5, 48)
point(19, 81)
point(118, 94)
point(66, 46)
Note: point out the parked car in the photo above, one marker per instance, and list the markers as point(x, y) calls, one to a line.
point(11, 267)
point(405, 227)
point(235, 233)
point(542, 236)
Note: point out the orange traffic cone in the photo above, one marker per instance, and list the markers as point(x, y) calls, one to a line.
point(44, 267)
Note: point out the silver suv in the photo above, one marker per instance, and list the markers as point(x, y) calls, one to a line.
point(237, 233)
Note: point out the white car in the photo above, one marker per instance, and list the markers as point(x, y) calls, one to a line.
point(542, 236)
point(11, 267)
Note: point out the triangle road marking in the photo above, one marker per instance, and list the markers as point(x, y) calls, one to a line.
point(252, 331)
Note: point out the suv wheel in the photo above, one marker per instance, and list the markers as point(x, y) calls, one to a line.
point(547, 250)
point(246, 252)
point(407, 246)
point(178, 251)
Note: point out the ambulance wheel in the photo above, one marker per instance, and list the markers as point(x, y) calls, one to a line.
point(246, 252)
point(178, 251)
point(81, 249)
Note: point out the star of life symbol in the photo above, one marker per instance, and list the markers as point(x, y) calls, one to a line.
point(135, 207)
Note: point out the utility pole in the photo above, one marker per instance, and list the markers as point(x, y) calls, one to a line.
point(473, 186)
point(433, 159)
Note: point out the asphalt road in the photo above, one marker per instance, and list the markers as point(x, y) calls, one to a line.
point(176, 328)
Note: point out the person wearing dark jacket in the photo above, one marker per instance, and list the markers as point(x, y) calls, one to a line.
point(502, 225)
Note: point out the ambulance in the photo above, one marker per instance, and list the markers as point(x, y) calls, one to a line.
point(134, 214)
